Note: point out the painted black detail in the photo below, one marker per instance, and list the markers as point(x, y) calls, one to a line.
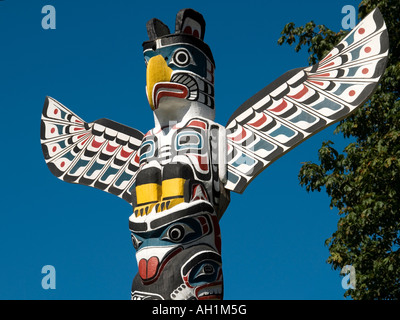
point(177, 170)
point(148, 175)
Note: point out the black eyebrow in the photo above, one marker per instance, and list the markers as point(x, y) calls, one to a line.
point(199, 208)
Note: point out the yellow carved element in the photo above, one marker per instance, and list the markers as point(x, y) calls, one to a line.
point(173, 187)
point(163, 197)
point(168, 204)
point(144, 210)
point(150, 192)
point(157, 71)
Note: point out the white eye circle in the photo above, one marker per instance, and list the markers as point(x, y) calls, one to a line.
point(176, 233)
point(181, 57)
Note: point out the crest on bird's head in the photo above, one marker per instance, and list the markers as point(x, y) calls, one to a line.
point(180, 65)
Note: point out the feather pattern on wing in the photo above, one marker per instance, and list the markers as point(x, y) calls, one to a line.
point(304, 101)
point(101, 154)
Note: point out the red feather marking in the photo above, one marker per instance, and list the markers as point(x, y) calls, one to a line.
point(316, 82)
point(327, 57)
point(301, 93)
point(279, 108)
point(328, 65)
point(125, 154)
point(259, 122)
point(321, 75)
point(110, 148)
point(96, 144)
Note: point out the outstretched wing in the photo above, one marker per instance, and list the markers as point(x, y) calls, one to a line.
point(101, 154)
point(304, 101)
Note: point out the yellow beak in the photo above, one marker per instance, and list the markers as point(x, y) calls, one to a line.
point(157, 71)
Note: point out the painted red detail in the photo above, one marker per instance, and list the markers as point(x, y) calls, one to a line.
point(367, 49)
point(240, 136)
point(203, 163)
point(188, 30)
point(77, 129)
point(137, 158)
point(53, 130)
point(365, 70)
point(197, 123)
point(352, 93)
point(279, 108)
point(316, 82)
point(160, 266)
point(301, 93)
point(54, 149)
point(328, 65)
point(55, 111)
point(361, 30)
point(327, 57)
point(204, 224)
point(322, 75)
point(168, 89)
point(152, 266)
point(143, 268)
point(125, 154)
point(148, 268)
point(111, 148)
point(196, 34)
point(96, 144)
point(259, 122)
point(62, 164)
point(199, 193)
point(205, 227)
point(83, 142)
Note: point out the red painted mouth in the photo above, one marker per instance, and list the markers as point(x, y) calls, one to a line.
point(168, 89)
point(150, 269)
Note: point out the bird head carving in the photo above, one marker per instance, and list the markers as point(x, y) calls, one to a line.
point(180, 65)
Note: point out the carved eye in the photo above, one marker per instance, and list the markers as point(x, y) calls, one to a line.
point(177, 232)
point(206, 270)
point(135, 241)
point(182, 58)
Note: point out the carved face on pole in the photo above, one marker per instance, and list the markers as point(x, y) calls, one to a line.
point(178, 254)
point(180, 68)
point(174, 227)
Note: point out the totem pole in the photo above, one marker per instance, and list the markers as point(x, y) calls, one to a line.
point(178, 175)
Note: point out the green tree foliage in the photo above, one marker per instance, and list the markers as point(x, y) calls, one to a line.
point(363, 181)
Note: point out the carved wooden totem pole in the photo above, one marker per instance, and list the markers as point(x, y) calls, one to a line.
point(178, 175)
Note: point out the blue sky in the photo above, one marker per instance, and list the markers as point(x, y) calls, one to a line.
point(272, 235)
